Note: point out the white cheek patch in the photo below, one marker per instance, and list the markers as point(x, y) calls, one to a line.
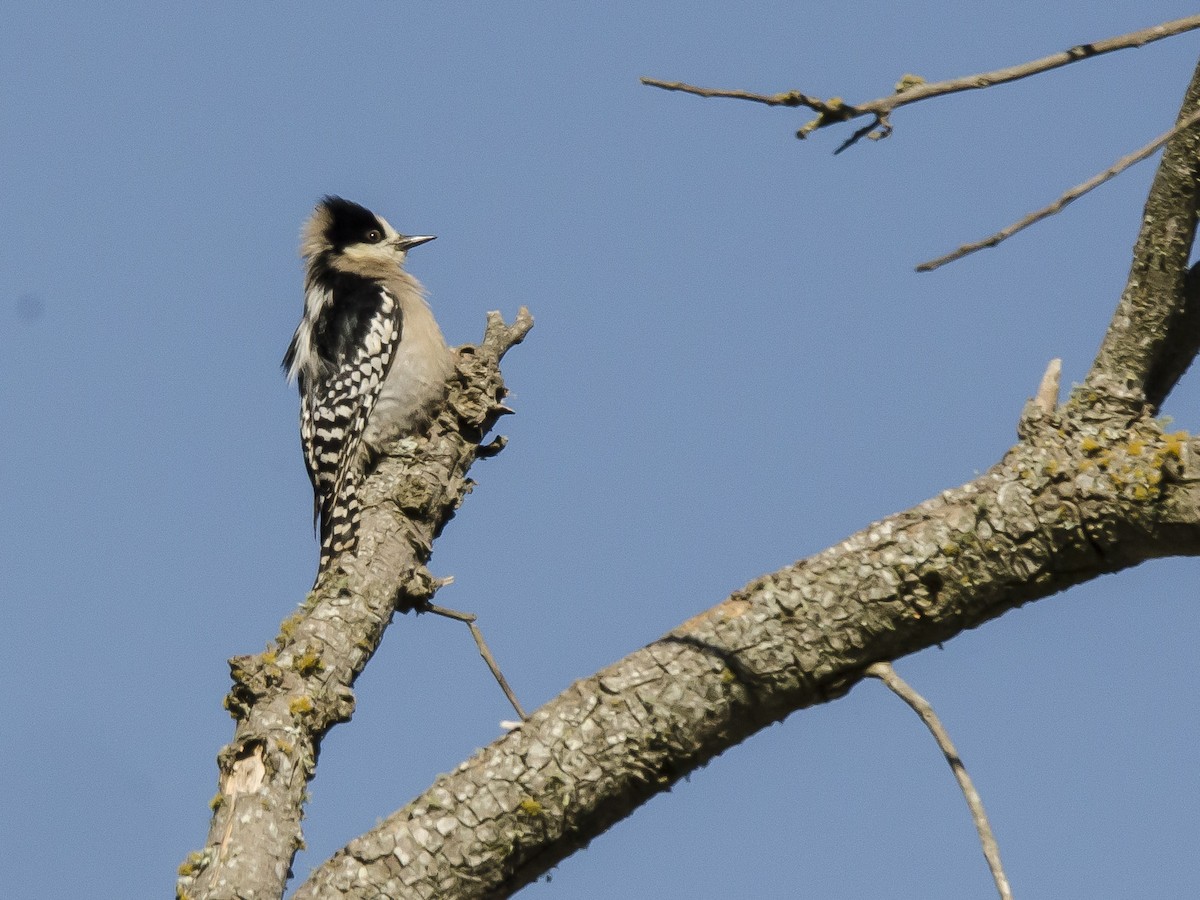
point(376, 253)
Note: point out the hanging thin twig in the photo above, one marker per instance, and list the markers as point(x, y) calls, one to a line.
point(991, 850)
point(469, 620)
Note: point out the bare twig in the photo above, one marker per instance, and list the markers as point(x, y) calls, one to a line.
point(787, 98)
point(991, 850)
point(1073, 194)
point(913, 89)
point(469, 620)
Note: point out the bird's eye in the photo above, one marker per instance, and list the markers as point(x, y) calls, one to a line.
point(374, 236)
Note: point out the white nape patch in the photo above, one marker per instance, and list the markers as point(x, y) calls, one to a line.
point(312, 234)
point(306, 360)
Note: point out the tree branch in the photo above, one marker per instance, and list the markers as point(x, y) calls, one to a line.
point(1180, 351)
point(912, 89)
point(287, 698)
point(991, 850)
point(1155, 322)
point(1061, 203)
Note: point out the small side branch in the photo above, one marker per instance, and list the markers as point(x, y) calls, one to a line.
point(912, 89)
point(468, 619)
point(1058, 205)
point(499, 337)
point(787, 98)
point(991, 850)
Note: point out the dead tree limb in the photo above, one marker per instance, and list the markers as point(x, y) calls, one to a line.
point(913, 89)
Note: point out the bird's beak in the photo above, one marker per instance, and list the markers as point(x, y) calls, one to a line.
point(404, 242)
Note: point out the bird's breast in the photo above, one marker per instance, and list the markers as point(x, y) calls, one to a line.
point(416, 381)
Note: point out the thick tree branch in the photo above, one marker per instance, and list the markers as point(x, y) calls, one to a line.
point(912, 89)
point(1179, 352)
point(1154, 323)
point(287, 698)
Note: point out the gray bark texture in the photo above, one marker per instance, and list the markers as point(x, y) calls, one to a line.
point(1093, 485)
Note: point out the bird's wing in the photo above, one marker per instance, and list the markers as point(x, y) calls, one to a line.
point(335, 415)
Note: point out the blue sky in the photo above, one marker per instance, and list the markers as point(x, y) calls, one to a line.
point(734, 366)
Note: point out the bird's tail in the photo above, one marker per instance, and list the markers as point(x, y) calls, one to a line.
point(339, 524)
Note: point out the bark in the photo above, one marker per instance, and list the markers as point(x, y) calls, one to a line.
point(1153, 337)
point(1091, 487)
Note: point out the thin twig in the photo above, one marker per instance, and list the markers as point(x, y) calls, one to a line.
point(469, 620)
point(787, 98)
point(1073, 194)
point(912, 89)
point(991, 850)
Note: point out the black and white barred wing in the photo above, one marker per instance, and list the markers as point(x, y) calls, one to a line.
point(334, 416)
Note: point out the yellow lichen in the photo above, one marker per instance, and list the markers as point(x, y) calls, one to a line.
point(300, 706)
point(309, 662)
point(530, 807)
point(287, 628)
point(1173, 446)
point(191, 865)
point(908, 81)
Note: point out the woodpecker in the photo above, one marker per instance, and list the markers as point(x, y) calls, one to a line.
point(369, 357)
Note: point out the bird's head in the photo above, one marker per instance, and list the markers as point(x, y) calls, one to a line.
point(352, 238)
